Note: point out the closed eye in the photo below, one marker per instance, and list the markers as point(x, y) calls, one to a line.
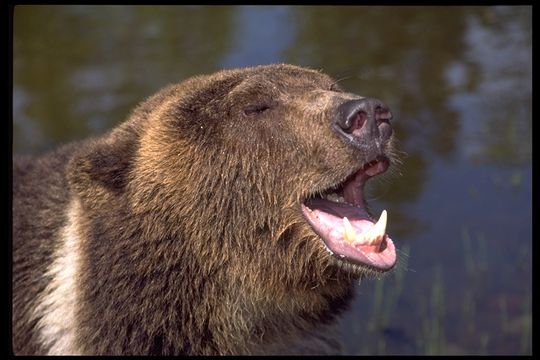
point(256, 109)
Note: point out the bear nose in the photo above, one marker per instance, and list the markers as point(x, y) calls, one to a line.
point(366, 118)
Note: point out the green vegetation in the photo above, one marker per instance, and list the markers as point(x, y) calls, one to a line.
point(436, 318)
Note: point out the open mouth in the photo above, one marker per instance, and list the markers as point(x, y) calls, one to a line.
point(339, 216)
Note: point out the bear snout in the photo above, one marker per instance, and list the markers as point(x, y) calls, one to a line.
point(364, 121)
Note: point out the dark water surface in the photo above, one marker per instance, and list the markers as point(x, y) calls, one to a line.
point(458, 81)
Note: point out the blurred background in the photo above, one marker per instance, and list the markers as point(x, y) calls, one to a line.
point(457, 79)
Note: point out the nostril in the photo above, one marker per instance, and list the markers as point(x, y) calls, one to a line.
point(354, 114)
point(356, 121)
point(366, 118)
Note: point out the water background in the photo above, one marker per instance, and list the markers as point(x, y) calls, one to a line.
point(458, 81)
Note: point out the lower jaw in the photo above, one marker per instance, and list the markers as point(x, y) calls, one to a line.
point(347, 261)
point(356, 271)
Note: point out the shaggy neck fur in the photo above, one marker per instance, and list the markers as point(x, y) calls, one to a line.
point(144, 273)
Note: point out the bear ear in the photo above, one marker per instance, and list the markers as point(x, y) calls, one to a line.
point(101, 167)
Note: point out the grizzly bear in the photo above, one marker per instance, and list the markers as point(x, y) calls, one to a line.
point(225, 216)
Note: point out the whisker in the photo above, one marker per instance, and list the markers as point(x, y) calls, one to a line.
point(339, 80)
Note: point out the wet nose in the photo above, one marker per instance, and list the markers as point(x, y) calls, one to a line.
point(367, 117)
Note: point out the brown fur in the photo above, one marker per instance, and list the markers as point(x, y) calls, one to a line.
point(191, 234)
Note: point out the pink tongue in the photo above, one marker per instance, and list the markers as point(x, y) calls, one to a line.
point(334, 223)
point(329, 219)
point(337, 210)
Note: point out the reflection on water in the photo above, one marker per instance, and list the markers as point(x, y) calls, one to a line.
point(256, 38)
point(81, 69)
point(495, 113)
point(458, 80)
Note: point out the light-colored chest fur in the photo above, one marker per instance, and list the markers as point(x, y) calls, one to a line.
point(57, 306)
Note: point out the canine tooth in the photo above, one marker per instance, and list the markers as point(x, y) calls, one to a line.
point(379, 229)
point(349, 234)
point(381, 224)
point(375, 234)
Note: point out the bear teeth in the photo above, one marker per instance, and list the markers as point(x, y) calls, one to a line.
point(373, 236)
point(349, 234)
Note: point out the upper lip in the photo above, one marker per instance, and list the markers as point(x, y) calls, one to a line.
point(378, 164)
point(380, 161)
